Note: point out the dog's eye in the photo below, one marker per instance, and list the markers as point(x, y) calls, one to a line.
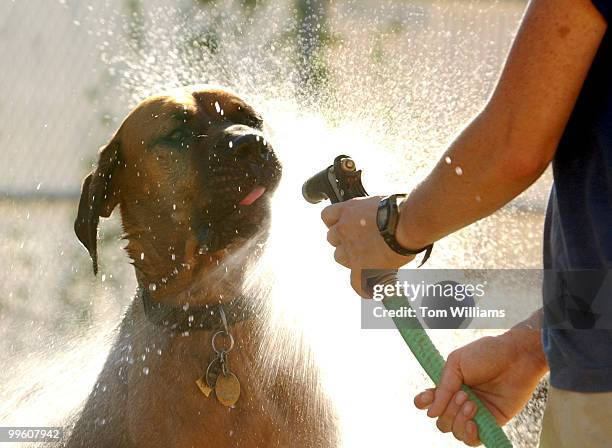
point(177, 137)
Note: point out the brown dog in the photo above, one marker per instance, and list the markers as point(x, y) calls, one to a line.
point(192, 174)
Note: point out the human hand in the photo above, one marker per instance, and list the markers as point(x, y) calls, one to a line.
point(354, 234)
point(502, 371)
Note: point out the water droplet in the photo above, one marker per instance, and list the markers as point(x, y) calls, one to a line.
point(152, 286)
point(459, 171)
point(448, 160)
point(145, 370)
point(142, 255)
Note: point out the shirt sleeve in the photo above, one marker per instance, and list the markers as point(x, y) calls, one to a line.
point(604, 7)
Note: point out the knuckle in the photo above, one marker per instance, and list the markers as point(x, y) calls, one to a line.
point(324, 213)
point(337, 255)
point(356, 282)
point(328, 215)
point(432, 412)
point(453, 357)
point(340, 228)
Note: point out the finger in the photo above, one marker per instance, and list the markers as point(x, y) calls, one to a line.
point(332, 237)
point(341, 257)
point(449, 385)
point(357, 284)
point(467, 412)
point(331, 214)
point(424, 399)
point(446, 420)
point(471, 434)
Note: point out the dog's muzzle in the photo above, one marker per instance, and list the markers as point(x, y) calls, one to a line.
point(245, 144)
point(247, 158)
point(252, 147)
point(242, 171)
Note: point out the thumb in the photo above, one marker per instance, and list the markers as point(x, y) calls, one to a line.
point(450, 383)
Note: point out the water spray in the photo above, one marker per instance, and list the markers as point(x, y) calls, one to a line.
point(342, 181)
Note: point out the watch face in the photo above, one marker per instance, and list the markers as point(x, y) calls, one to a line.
point(382, 217)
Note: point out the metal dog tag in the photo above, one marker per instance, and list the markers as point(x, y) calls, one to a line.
point(201, 382)
point(227, 389)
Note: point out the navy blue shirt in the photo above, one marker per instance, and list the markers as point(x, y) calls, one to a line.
point(577, 333)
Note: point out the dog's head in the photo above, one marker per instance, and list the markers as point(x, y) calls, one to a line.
point(191, 171)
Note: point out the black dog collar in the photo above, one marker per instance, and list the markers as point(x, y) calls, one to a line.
point(190, 318)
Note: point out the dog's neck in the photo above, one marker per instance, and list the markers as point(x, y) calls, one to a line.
point(192, 285)
point(206, 280)
point(195, 279)
point(173, 268)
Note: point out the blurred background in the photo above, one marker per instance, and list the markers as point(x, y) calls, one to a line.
point(389, 82)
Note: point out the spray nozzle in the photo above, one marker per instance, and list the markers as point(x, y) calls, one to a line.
point(338, 182)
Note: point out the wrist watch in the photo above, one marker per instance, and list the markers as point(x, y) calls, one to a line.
point(387, 219)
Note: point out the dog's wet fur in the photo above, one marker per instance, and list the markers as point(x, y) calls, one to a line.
point(178, 168)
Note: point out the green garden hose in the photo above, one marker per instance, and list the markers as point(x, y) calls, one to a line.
point(426, 353)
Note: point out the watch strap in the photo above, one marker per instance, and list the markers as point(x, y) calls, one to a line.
point(396, 247)
point(389, 234)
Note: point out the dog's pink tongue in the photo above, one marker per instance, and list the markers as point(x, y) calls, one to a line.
point(255, 194)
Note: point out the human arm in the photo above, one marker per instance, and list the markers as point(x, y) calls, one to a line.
point(511, 142)
point(500, 153)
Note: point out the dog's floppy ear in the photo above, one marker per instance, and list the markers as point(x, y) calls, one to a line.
point(98, 199)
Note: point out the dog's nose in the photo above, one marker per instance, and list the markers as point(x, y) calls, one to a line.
point(250, 146)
